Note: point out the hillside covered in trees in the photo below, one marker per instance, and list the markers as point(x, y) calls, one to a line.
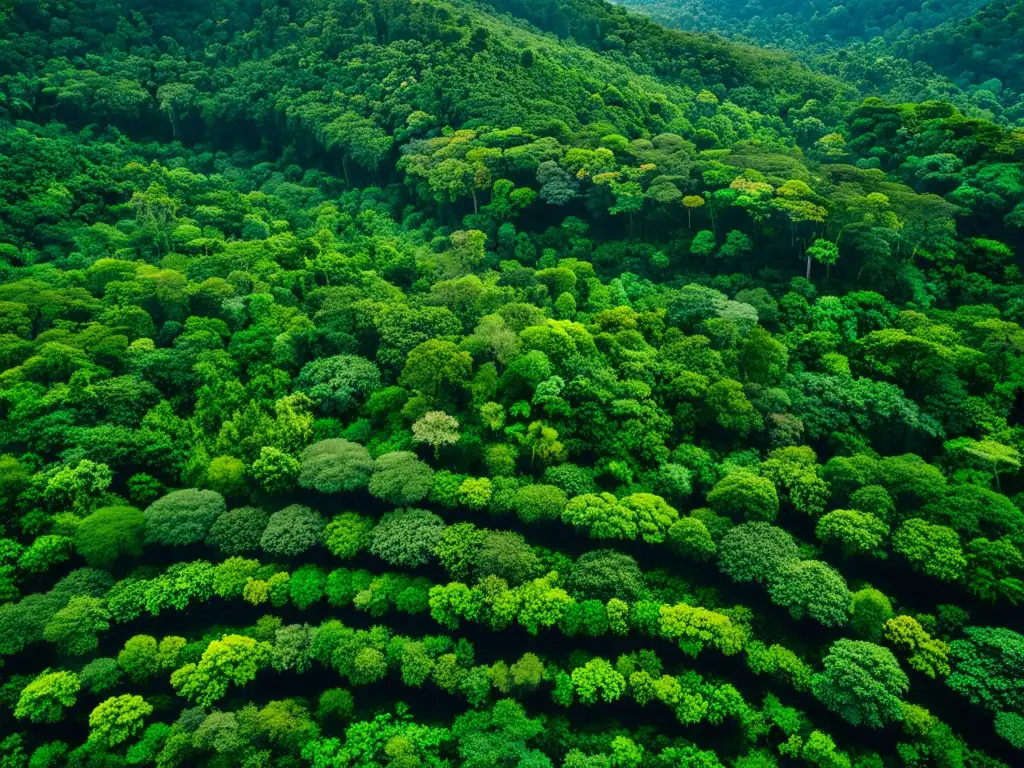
point(388, 384)
point(966, 52)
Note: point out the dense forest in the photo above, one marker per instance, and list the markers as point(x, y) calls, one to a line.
point(969, 53)
point(511, 384)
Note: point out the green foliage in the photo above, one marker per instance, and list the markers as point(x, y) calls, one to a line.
point(811, 588)
point(292, 530)
point(100, 675)
point(238, 531)
point(117, 719)
point(744, 496)
point(234, 659)
point(407, 537)
point(606, 574)
point(854, 532)
point(1010, 726)
point(43, 700)
point(507, 556)
point(76, 626)
point(933, 549)
point(347, 535)
point(926, 654)
point(756, 552)
point(862, 682)
point(275, 470)
point(337, 384)
point(596, 681)
point(536, 503)
point(554, 263)
point(983, 664)
point(182, 517)
point(691, 538)
point(335, 465)
point(400, 478)
point(869, 611)
point(110, 533)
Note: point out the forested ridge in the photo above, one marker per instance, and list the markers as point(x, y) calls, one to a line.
point(969, 53)
point(504, 383)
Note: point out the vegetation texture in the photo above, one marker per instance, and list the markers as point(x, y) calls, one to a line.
point(510, 384)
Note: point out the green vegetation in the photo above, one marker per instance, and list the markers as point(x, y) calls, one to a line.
point(501, 384)
point(966, 52)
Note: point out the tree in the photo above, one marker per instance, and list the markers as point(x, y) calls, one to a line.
point(176, 99)
point(597, 679)
point(933, 549)
point(238, 531)
point(691, 202)
point(557, 187)
point(602, 516)
point(117, 719)
point(975, 511)
point(690, 537)
point(925, 653)
point(1010, 726)
point(990, 455)
point(507, 555)
point(275, 470)
point(43, 700)
point(347, 534)
point(762, 359)
point(537, 502)
point(436, 368)
point(994, 569)
point(226, 475)
point(869, 611)
point(46, 552)
point(856, 533)
point(703, 243)
point(730, 407)
point(742, 495)
point(694, 628)
point(543, 443)
point(334, 465)
point(74, 628)
point(862, 682)
point(182, 517)
point(755, 552)
point(100, 675)
point(604, 574)
point(407, 537)
point(985, 664)
point(110, 533)
point(824, 252)
point(475, 492)
point(436, 428)
point(292, 530)
point(140, 658)
point(810, 587)
point(400, 478)
point(338, 384)
point(233, 659)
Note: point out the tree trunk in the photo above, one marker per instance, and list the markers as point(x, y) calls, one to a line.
point(174, 122)
point(808, 266)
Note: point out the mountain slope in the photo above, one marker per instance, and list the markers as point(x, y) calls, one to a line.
point(976, 50)
point(914, 52)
